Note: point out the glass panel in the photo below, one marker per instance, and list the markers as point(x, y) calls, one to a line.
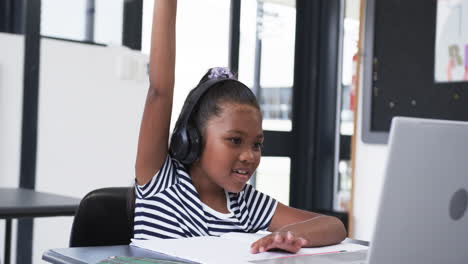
point(344, 185)
point(98, 21)
point(108, 27)
point(55, 12)
point(266, 57)
point(272, 177)
point(348, 88)
point(349, 64)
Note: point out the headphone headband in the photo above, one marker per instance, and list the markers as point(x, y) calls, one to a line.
point(195, 95)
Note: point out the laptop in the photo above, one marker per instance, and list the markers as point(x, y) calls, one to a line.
point(422, 215)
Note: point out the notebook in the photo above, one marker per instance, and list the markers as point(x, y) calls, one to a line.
point(231, 248)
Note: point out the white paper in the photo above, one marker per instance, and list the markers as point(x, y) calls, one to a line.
point(230, 248)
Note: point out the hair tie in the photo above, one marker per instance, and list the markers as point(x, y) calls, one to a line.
point(220, 72)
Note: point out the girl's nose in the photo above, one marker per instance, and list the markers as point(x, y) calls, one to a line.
point(247, 155)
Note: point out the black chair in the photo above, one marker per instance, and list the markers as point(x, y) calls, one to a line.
point(104, 218)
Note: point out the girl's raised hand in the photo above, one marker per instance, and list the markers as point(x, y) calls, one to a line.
point(283, 240)
point(155, 123)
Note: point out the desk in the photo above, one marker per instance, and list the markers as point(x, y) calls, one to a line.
point(18, 203)
point(84, 255)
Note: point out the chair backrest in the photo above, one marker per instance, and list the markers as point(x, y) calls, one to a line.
point(104, 218)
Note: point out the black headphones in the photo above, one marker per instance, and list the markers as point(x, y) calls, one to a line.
point(186, 142)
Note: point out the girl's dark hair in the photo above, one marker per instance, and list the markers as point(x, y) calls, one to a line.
point(209, 104)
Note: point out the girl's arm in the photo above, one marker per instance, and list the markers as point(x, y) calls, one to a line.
point(293, 228)
point(154, 129)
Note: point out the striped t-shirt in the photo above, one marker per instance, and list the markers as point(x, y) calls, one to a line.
point(169, 207)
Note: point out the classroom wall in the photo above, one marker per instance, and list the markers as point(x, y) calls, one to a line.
point(90, 104)
point(11, 99)
point(368, 180)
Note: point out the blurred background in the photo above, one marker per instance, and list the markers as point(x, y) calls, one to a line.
point(92, 66)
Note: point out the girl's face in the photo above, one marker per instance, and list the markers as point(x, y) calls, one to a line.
point(232, 146)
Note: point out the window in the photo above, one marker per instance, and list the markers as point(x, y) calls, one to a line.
point(97, 21)
point(272, 177)
point(202, 42)
point(266, 58)
point(266, 65)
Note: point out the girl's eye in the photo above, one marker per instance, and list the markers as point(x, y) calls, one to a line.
point(235, 141)
point(258, 146)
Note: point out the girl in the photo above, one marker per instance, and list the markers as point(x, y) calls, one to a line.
point(197, 186)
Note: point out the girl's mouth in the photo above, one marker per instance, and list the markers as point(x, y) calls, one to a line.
point(241, 173)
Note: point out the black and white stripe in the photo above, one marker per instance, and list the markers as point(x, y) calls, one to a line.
point(169, 207)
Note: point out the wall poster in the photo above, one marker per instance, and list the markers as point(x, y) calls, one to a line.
point(451, 48)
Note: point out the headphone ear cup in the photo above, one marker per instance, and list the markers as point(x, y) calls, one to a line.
point(194, 149)
point(179, 145)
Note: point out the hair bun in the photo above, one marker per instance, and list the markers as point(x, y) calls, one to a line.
point(220, 72)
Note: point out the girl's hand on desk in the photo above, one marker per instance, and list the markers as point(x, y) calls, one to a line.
point(284, 240)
